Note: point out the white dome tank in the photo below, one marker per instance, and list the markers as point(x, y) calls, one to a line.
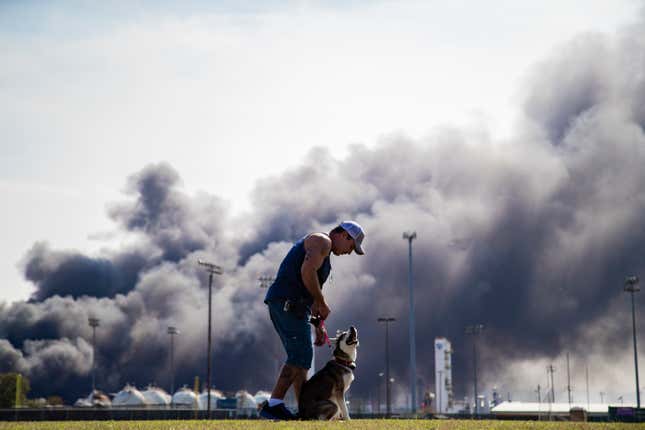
point(129, 396)
point(203, 399)
point(245, 400)
point(156, 396)
point(185, 398)
point(246, 404)
point(95, 399)
point(261, 396)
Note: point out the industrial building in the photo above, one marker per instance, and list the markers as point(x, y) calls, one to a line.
point(444, 397)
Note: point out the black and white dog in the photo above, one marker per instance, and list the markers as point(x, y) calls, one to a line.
point(323, 396)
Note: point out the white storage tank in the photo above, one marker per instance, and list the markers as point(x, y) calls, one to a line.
point(246, 404)
point(185, 398)
point(96, 398)
point(203, 399)
point(129, 396)
point(261, 396)
point(155, 396)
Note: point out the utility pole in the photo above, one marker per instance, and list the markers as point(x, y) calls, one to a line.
point(378, 406)
point(172, 331)
point(602, 397)
point(212, 269)
point(94, 323)
point(387, 321)
point(475, 330)
point(631, 286)
point(410, 236)
point(569, 381)
point(587, 378)
point(539, 396)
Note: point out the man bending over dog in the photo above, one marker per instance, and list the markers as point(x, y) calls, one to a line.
point(294, 297)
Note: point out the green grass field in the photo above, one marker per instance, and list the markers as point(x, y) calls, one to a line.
point(311, 425)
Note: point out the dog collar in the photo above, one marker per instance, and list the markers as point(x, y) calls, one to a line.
point(346, 363)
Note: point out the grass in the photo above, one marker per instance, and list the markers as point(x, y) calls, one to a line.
point(313, 425)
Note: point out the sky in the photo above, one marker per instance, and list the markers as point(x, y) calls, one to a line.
point(137, 136)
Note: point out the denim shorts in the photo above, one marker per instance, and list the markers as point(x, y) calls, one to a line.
point(294, 333)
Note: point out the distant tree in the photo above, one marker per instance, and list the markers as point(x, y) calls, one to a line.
point(8, 383)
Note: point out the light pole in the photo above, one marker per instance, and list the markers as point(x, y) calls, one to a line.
point(378, 405)
point(410, 236)
point(212, 269)
point(569, 382)
point(475, 330)
point(549, 370)
point(172, 331)
point(94, 323)
point(631, 286)
point(387, 321)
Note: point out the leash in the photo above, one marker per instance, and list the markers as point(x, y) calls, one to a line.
point(324, 330)
point(320, 323)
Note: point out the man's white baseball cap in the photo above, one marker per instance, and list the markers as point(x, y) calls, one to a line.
point(356, 232)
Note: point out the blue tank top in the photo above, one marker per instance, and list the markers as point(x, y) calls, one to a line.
point(288, 282)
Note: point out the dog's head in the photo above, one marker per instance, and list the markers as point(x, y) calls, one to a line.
point(346, 344)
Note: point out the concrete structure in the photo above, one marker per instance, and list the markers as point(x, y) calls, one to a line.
point(444, 401)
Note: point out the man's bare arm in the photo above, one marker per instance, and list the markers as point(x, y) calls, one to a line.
point(317, 247)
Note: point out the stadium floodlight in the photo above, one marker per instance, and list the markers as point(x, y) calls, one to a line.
point(410, 236)
point(387, 321)
point(212, 269)
point(172, 331)
point(631, 286)
point(94, 323)
point(475, 330)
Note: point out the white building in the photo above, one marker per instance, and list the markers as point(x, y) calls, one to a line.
point(443, 375)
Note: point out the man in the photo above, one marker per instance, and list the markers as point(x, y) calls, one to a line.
point(295, 296)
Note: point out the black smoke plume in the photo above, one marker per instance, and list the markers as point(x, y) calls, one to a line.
point(531, 237)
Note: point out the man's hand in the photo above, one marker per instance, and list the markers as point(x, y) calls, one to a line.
point(320, 308)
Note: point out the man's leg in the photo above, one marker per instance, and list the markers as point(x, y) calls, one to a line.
point(289, 375)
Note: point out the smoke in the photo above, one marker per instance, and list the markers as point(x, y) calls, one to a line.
point(531, 237)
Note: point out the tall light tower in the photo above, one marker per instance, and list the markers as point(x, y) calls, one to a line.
point(94, 323)
point(212, 269)
point(387, 322)
point(549, 370)
point(631, 286)
point(172, 331)
point(475, 330)
point(410, 236)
